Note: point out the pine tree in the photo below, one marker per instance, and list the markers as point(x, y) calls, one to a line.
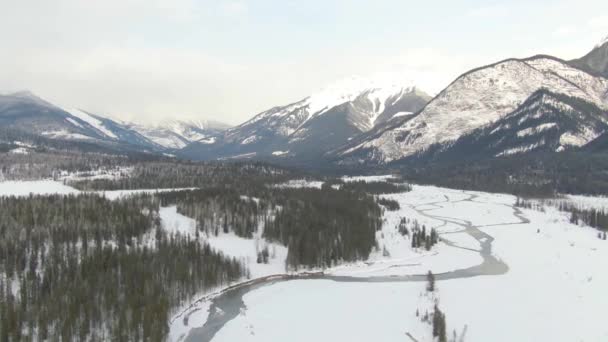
point(430, 277)
point(439, 325)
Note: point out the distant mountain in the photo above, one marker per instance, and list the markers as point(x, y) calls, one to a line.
point(596, 61)
point(483, 98)
point(27, 113)
point(307, 129)
point(176, 134)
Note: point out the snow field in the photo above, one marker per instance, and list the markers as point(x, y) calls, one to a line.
point(49, 187)
point(554, 289)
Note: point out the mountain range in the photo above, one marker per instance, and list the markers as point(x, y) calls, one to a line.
point(27, 113)
point(489, 98)
point(540, 104)
point(307, 129)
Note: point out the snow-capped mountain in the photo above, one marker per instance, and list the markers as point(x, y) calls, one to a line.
point(28, 113)
point(310, 127)
point(545, 122)
point(176, 134)
point(478, 98)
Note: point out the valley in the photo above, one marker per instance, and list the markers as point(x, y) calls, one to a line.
point(536, 258)
point(491, 257)
point(242, 171)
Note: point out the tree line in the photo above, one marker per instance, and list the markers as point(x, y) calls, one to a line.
point(85, 268)
point(320, 227)
point(592, 217)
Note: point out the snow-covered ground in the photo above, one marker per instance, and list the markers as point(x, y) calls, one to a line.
point(581, 202)
point(245, 250)
point(25, 188)
point(50, 187)
point(324, 310)
point(379, 178)
point(301, 183)
point(554, 288)
point(401, 259)
point(111, 173)
point(230, 244)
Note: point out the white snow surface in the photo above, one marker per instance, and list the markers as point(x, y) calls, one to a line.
point(91, 120)
point(175, 133)
point(247, 250)
point(372, 95)
point(19, 150)
point(301, 183)
point(50, 187)
point(554, 289)
point(231, 245)
point(280, 153)
point(64, 134)
point(176, 223)
point(322, 310)
point(367, 179)
point(44, 187)
point(194, 316)
point(535, 130)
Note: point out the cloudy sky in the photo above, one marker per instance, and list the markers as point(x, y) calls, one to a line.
point(229, 59)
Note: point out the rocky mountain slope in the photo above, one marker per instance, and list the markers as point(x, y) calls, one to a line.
point(307, 129)
point(477, 99)
point(27, 113)
point(596, 61)
point(545, 122)
point(176, 134)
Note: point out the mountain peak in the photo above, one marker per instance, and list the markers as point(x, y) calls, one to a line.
point(602, 42)
point(348, 89)
point(596, 61)
point(26, 95)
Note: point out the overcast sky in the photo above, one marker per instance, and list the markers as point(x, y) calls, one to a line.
point(230, 59)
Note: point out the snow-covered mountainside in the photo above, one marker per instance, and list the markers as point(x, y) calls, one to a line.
point(546, 122)
point(175, 134)
point(28, 113)
point(476, 99)
point(312, 126)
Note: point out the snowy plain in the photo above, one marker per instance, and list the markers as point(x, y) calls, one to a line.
point(50, 187)
point(554, 288)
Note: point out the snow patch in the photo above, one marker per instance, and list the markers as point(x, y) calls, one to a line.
point(535, 130)
point(301, 183)
point(93, 121)
point(25, 188)
point(175, 223)
point(581, 139)
point(19, 150)
point(249, 140)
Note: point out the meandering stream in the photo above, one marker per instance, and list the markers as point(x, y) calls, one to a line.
point(228, 305)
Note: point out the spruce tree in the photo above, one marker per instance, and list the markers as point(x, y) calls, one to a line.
point(430, 286)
